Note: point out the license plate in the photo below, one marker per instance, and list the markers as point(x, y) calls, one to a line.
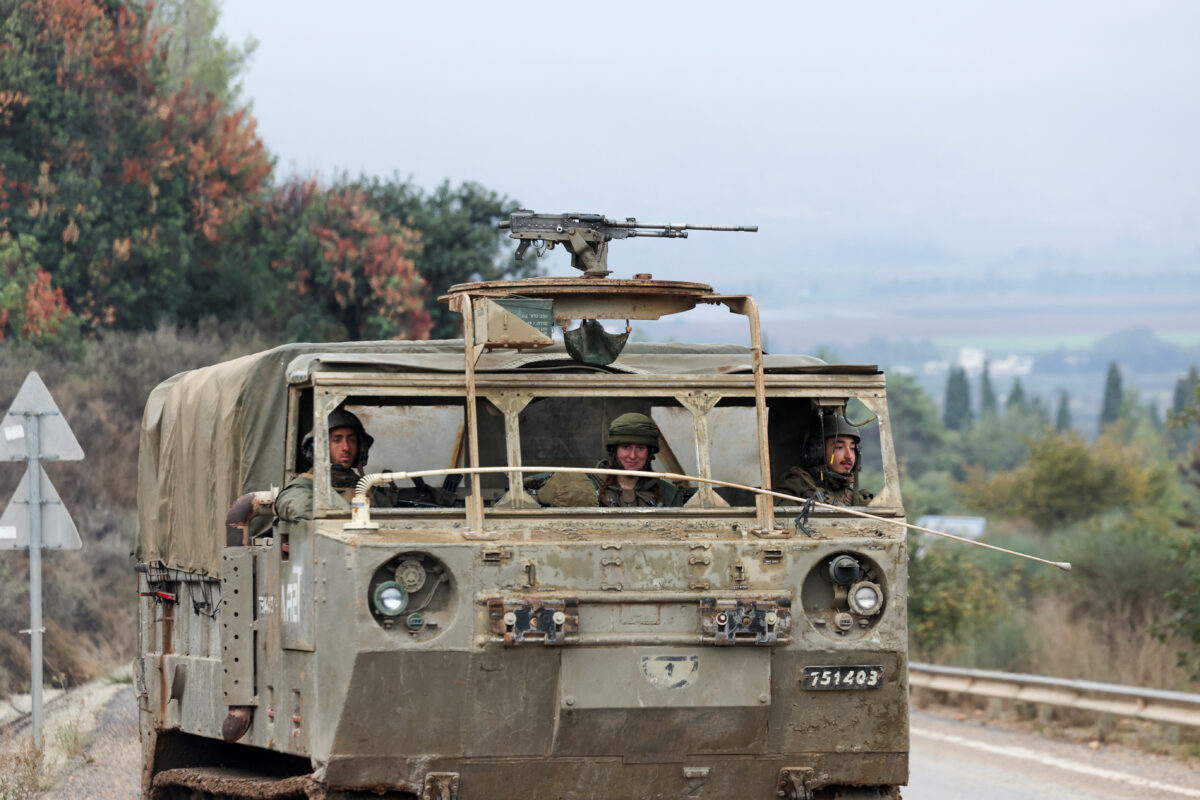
point(827, 679)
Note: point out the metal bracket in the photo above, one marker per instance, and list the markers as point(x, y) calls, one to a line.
point(547, 621)
point(794, 783)
point(728, 622)
point(440, 786)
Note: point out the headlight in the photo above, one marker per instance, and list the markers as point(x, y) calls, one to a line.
point(865, 598)
point(390, 599)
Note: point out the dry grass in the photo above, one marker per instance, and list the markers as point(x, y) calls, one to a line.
point(20, 771)
point(89, 595)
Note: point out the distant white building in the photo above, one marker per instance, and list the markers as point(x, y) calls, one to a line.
point(966, 527)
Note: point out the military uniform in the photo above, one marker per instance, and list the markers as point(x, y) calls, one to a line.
point(835, 489)
point(646, 492)
point(295, 501)
point(572, 489)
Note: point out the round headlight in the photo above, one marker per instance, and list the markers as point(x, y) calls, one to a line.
point(390, 599)
point(865, 598)
point(844, 570)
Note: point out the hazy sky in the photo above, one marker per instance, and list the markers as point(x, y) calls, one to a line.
point(868, 140)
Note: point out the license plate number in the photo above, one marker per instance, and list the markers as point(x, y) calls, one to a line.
point(825, 679)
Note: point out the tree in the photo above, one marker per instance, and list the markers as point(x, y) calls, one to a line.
point(1064, 480)
point(196, 54)
point(1062, 419)
point(343, 271)
point(128, 187)
point(1182, 430)
point(917, 428)
point(1114, 396)
point(957, 409)
point(459, 240)
point(987, 395)
point(1016, 399)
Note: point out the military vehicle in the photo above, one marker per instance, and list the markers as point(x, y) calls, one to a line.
point(464, 641)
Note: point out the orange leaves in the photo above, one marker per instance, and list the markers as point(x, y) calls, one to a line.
point(343, 254)
point(45, 308)
point(10, 102)
point(121, 248)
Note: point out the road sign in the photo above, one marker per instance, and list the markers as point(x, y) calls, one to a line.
point(32, 430)
point(56, 442)
point(58, 529)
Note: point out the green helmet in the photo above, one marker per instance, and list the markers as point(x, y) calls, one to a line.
point(339, 418)
point(633, 429)
point(844, 428)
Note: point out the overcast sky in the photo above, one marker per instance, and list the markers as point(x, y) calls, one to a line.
point(868, 140)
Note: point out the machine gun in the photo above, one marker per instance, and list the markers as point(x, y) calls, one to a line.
point(586, 236)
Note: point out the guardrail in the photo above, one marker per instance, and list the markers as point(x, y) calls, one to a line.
point(1152, 705)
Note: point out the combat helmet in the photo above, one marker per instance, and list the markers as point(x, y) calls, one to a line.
point(814, 448)
point(341, 418)
point(633, 428)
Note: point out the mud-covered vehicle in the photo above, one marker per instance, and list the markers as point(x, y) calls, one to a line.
point(463, 640)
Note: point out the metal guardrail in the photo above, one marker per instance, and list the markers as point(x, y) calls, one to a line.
point(1152, 705)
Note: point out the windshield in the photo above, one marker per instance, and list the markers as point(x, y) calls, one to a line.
point(698, 435)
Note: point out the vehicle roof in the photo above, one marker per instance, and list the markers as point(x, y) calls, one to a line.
point(212, 434)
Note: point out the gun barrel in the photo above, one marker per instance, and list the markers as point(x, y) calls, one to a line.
point(679, 226)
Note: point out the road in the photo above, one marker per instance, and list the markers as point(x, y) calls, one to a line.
point(950, 760)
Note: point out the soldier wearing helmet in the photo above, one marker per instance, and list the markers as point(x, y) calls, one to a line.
point(349, 446)
point(829, 472)
point(632, 442)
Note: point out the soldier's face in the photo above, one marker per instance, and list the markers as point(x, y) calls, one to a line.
point(343, 447)
point(633, 456)
point(839, 454)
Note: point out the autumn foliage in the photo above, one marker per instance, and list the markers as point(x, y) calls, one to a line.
point(124, 202)
point(340, 264)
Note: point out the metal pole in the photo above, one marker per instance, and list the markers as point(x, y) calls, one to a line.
point(33, 470)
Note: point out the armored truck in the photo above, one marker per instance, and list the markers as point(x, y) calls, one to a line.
point(445, 634)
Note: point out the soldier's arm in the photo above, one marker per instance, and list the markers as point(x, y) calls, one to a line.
point(295, 501)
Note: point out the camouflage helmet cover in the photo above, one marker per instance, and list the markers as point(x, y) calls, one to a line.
point(633, 428)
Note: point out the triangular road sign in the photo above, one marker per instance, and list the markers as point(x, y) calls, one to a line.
point(56, 442)
point(58, 529)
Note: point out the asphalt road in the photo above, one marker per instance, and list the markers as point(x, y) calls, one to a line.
point(950, 760)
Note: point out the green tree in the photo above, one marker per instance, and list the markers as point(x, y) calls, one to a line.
point(1016, 399)
point(1114, 395)
point(987, 395)
point(1065, 479)
point(917, 428)
point(1062, 419)
point(196, 54)
point(1182, 430)
point(458, 238)
point(957, 408)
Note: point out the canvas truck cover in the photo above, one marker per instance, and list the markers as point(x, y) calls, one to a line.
point(212, 434)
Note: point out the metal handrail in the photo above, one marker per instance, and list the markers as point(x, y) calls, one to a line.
point(1152, 705)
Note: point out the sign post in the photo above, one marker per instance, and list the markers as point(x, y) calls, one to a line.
point(34, 430)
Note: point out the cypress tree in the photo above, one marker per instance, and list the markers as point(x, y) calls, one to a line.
point(1110, 412)
point(957, 411)
point(987, 395)
point(1016, 398)
point(1062, 420)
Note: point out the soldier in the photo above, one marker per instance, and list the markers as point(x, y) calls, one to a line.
point(829, 473)
point(349, 445)
point(632, 443)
